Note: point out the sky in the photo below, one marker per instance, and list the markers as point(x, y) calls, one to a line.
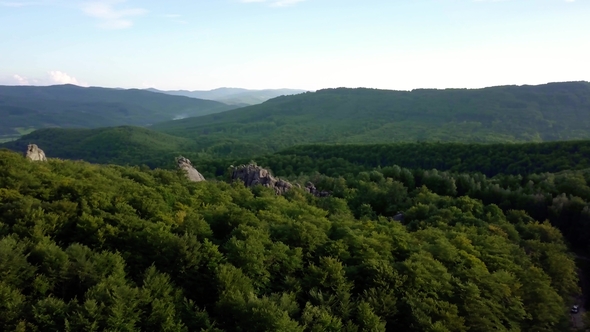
point(302, 44)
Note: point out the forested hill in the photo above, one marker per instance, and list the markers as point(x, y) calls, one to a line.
point(29, 107)
point(556, 111)
point(140, 146)
point(123, 145)
point(91, 248)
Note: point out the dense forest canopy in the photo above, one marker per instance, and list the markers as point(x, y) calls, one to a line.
point(31, 107)
point(556, 111)
point(90, 247)
point(141, 146)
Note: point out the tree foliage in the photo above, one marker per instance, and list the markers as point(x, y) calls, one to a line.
point(90, 247)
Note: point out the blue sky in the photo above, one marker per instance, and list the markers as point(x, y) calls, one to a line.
point(307, 44)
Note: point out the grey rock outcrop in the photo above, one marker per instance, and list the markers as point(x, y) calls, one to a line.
point(191, 172)
point(252, 175)
point(34, 153)
point(310, 188)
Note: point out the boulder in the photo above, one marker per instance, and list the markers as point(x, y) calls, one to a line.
point(34, 153)
point(191, 172)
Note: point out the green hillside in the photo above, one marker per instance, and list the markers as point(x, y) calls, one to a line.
point(556, 111)
point(94, 248)
point(66, 106)
point(137, 146)
point(116, 145)
point(489, 159)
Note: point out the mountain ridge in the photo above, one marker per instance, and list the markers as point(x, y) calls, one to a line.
point(549, 112)
point(232, 96)
point(90, 107)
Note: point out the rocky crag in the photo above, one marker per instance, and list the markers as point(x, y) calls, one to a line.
point(310, 188)
point(34, 153)
point(253, 174)
point(191, 172)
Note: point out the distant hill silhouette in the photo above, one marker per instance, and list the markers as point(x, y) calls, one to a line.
point(25, 107)
point(233, 96)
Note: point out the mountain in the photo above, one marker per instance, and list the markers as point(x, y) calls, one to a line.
point(23, 108)
point(234, 96)
point(549, 112)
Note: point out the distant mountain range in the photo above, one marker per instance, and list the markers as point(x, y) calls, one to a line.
point(24, 108)
point(233, 96)
point(505, 114)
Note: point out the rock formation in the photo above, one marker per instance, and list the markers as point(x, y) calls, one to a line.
point(34, 153)
point(191, 173)
point(252, 175)
point(399, 217)
point(310, 188)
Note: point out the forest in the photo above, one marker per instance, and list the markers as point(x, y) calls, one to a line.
point(108, 247)
point(128, 145)
point(502, 114)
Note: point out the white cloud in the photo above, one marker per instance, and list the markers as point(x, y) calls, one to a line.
point(110, 14)
point(53, 77)
point(59, 77)
point(20, 80)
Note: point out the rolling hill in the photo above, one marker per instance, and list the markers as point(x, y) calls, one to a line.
point(549, 112)
point(23, 108)
point(117, 145)
point(233, 96)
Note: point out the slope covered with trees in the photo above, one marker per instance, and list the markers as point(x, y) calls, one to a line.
point(88, 247)
point(137, 146)
point(556, 111)
point(112, 145)
point(26, 107)
point(490, 159)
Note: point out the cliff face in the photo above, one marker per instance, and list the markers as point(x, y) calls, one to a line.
point(34, 153)
point(191, 172)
